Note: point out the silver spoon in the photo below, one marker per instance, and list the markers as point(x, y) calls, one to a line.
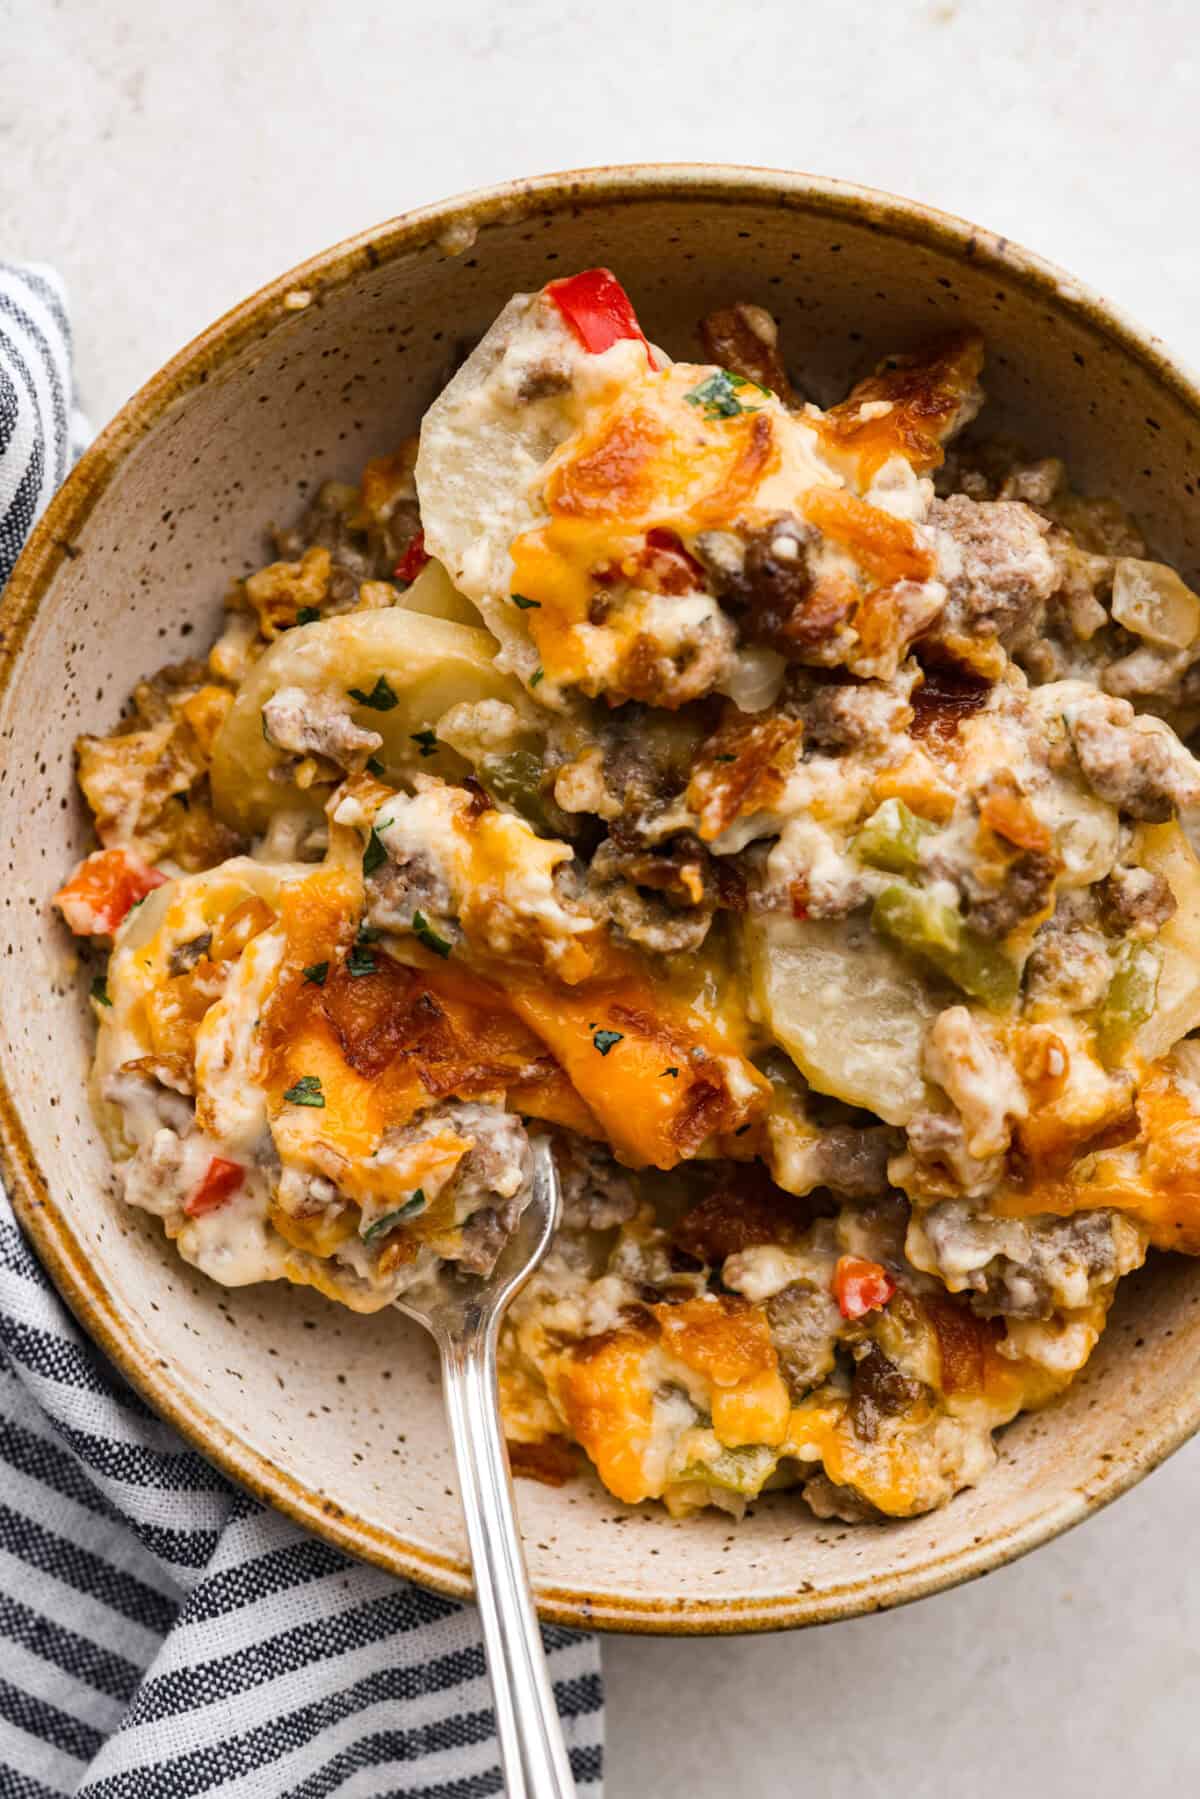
point(463, 1313)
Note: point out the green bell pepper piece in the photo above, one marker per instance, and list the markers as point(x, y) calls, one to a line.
point(1131, 996)
point(891, 838)
point(934, 931)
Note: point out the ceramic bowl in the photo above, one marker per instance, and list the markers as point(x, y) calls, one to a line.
point(334, 1418)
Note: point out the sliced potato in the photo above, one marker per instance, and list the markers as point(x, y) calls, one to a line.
point(485, 444)
point(429, 663)
point(850, 1012)
point(1087, 831)
point(1166, 851)
point(483, 447)
point(434, 594)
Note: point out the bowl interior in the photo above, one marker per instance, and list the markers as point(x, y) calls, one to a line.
point(336, 1417)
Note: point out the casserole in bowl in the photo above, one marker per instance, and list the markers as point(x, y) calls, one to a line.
point(230, 421)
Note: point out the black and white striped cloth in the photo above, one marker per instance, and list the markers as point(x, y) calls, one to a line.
point(162, 1635)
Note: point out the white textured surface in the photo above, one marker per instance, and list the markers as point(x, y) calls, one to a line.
point(170, 159)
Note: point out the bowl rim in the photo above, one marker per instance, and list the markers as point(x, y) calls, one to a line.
point(452, 225)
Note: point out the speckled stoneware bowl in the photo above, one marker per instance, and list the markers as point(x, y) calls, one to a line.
point(334, 1418)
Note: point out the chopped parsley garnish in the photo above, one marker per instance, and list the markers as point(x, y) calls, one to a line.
point(360, 961)
point(604, 1040)
point(673, 1072)
point(100, 991)
point(374, 856)
point(380, 699)
point(425, 933)
point(537, 677)
point(306, 1092)
point(374, 766)
point(524, 602)
point(724, 758)
point(718, 395)
point(369, 933)
point(316, 972)
point(307, 615)
point(383, 1225)
point(741, 1130)
point(427, 741)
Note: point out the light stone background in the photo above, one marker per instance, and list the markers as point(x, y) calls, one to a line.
point(171, 158)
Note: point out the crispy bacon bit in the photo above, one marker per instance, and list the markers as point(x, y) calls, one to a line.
point(860, 1286)
point(745, 340)
point(1006, 811)
point(742, 768)
point(393, 1012)
point(554, 1461)
point(377, 1015)
point(413, 560)
point(964, 1341)
point(103, 889)
point(219, 1183)
point(928, 394)
point(744, 1210)
point(943, 700)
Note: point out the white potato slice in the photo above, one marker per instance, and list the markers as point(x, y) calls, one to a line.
point(429, 663)
point(1087, 831)
point(178, 912)
point(485, 443)
point(434, 594)
point(850, 1013)
point(1166, 851)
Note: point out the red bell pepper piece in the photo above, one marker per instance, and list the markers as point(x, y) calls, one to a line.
point(220, 1181)
point(103, 889)
point(860, 1286)
point(598, 310)
point(413, 560)
point(669, 564)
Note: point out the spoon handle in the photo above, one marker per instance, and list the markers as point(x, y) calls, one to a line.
point(532, 1750)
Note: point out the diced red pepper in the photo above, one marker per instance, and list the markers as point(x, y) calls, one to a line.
point(413, 560)
point(220, 1182)
point(860, 1286)
point(799, 895)
point(103, 889)
point(598, 310)
point(670, 566)
point(662, 565)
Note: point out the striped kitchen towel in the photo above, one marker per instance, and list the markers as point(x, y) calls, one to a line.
point(161, 1634)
